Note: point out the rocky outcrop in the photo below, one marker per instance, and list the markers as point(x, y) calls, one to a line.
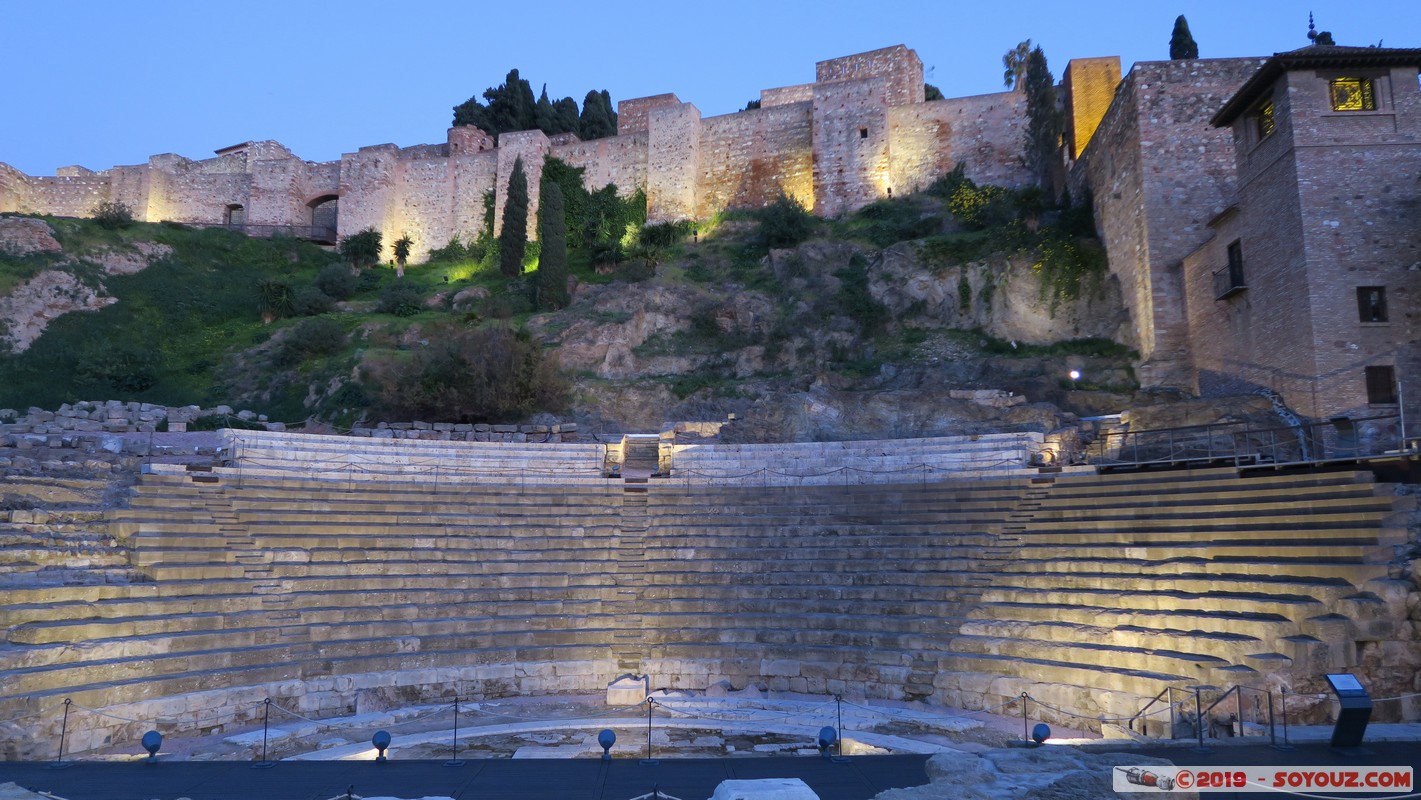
point(30, 308)
point(20, 236)
point(1002, 296)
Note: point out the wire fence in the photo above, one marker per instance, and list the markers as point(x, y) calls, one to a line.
point(1184, 714)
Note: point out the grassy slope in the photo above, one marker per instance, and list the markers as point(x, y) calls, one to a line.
point(188, 328)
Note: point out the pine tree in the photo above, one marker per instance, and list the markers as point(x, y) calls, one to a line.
point(552, 256)
point(513, 239)
point(1043, 126)
point(1181, 42)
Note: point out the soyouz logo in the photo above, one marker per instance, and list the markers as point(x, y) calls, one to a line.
point(1260, 779)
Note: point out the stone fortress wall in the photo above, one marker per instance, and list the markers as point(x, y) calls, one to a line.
point(837, 144)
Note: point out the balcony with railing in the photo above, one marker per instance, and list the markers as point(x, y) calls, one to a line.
point(1229, 281)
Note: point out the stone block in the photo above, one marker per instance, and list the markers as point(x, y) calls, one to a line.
point(628, 690)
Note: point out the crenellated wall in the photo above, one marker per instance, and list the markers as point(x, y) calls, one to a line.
point(861, 129)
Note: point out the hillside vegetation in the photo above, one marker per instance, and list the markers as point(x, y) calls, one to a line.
point(763, 314)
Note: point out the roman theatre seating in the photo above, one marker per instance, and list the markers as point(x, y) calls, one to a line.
point(335, 574)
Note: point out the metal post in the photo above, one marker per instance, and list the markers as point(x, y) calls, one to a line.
point(1172, 717)
point(649, 703)
point(1025, 734)
point(63, 732)
point(1199, 721)
point(1284, 711)
point(266, 719)
point(839, 707)
point(454, 760)
point(1272, 731)
point(1241, 732)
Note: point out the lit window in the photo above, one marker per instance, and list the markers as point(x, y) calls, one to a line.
point(1381, 385)
point(1352, 94)
point(1371, 303)
point(1264, 119)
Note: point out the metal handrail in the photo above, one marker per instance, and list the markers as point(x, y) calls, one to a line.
point(1239, 443)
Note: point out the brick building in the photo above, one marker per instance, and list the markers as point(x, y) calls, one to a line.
point(1307, 282)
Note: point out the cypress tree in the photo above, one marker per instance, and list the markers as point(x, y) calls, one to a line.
point(552, 257)
point(513, 239)
point(1043, 126)
point(566, 116)
point(1181, 42)
point(544, 118)
point(596, 121)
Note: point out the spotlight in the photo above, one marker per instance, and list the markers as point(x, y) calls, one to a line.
point(828, 737)
point(381, 740)
point(606, 739)
point(1040, 733)
point(152, 740)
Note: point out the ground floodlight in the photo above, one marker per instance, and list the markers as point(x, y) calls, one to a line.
point(827, 739)
point(152, 740)
point(606, 739)
point(381, 740)
point(1040, 733)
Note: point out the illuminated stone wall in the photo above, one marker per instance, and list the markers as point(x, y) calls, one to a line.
point(899, 68)
point(673, 160)
point(850, 145)
point(1158, 173)
point(1088, 86)
point(14, 189)
point(749, 157)
point(633, 115)
point(67, 195)
point(927, 140)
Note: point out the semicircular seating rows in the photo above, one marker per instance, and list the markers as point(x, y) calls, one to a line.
point(493, 570)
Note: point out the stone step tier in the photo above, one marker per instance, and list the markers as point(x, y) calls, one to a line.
point(959, 591)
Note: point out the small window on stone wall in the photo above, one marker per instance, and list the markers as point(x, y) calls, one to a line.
point(1371, 303)
point(1352, 94)
point(1381, 385)
point(1264, 120)
point(863, 133)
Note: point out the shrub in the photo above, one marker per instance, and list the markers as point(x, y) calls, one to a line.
point(634, 271)
point(856, 300)
point(451, 253)
point(361, 249)
point(506, 304)
point(113, 214)
point(275, 297)
point(122, 367)
point(980, 207)
point(400, 299)
point(486, 374)
point(888, 221)
point(785, 223)
point(665, 234)
point(212, 422)
point(310, 301)
point(318, 336)
point(337, 281)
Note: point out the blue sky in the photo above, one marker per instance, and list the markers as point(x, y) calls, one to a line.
point(103, 82)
